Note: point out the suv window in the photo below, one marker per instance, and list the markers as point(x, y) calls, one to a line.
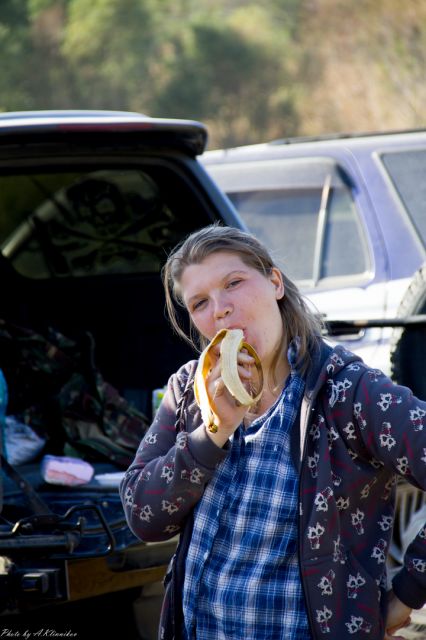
point(344, 252)
point(286, 220)
point(407, 170)
point(85, 222)
point(304, 211)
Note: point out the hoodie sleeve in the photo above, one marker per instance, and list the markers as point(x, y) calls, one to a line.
point(170, 470)
point(392, 424)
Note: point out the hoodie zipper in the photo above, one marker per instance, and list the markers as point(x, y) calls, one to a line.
point(305, 416)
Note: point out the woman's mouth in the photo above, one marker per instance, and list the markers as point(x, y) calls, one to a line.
point(241, 329)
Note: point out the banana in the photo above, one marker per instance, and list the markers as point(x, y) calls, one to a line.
point(232, 341)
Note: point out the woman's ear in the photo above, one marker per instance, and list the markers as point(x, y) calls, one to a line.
point(277, 280)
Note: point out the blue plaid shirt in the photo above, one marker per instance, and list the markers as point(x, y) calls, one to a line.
point(242, 577)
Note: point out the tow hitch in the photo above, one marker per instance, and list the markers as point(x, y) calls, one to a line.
point(55, 532)
point(25, 579)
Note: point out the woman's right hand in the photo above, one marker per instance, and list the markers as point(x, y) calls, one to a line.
point(398, 617)
point(228, 410)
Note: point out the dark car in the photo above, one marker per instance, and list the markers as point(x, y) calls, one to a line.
point(90, 205)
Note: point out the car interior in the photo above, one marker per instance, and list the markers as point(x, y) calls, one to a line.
point(81, 253)
point(85, 255)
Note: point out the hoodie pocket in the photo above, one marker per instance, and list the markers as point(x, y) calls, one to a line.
point(343, 597)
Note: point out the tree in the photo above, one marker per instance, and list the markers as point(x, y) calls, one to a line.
point(107, 44)
point(250, 70)
point(15, 49)
point(364, 65)
point(230, 70)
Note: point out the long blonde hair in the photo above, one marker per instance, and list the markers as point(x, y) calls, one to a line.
point(298, 321)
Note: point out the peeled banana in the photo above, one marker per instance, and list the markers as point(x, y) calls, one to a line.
point(231, 342)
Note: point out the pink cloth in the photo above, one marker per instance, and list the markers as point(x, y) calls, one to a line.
point(66, 471)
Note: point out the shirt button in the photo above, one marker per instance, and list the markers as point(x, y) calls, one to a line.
point(205, 556)
point(218, 513)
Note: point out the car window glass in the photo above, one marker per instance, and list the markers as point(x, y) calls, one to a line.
point(86, 223)
point(344, 251)
point(286, 222)
point(407, 170)
point(281, 201)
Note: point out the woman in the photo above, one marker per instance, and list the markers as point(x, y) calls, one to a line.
point(285, 509)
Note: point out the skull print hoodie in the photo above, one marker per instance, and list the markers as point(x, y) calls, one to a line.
point(358, 433)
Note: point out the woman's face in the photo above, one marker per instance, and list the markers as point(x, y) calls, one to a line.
point(223, 292)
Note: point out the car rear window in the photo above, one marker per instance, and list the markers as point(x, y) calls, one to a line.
point(407, 170)
point(91, 222)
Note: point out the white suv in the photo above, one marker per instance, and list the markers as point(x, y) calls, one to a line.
point(345, 217)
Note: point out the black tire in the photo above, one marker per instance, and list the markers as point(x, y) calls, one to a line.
point(408, 345)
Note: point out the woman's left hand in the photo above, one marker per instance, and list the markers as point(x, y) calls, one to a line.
point(398, 617)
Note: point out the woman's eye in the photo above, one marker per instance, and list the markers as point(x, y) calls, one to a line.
point(198, 305)
point(234, 283)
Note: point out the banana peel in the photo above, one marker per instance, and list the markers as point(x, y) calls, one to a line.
point(231, 343)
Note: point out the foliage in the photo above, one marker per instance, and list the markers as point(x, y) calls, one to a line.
point(231, 81)
point(365, 67)
point(250, 70)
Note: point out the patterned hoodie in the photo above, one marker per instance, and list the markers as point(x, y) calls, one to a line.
point(358, 433)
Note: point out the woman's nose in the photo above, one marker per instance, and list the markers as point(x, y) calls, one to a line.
point(222, 309)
